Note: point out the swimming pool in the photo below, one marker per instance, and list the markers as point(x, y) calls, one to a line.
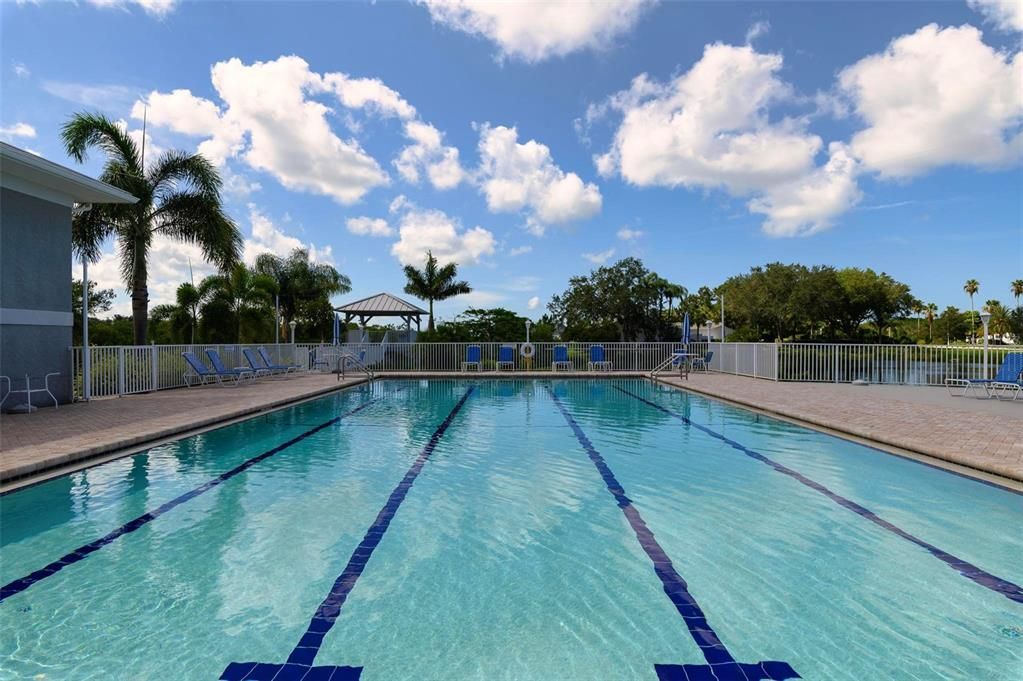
point(507, 529)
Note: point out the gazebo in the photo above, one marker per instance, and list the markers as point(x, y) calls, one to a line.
point(382, 305)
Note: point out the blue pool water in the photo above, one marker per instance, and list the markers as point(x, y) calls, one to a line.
point(453, 530)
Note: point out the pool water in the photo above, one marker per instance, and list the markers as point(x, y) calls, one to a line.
point(505, 529)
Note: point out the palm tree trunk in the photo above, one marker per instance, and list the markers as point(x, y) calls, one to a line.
point(973, 334)
point(430, 327)
point(140, 302)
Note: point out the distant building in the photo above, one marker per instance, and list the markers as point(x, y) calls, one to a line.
point(36, 198)
point(708, 333)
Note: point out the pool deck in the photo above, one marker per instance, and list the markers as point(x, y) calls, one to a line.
point(53, 440)
point(979, 434)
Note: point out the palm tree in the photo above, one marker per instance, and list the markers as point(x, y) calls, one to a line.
point(1017, 290)
point(917, 308)
point(433, 283)
point(930, 311)
point(299, 283)
point(188, 299)
point(178, 197)
point(971, 287)
point(999, 324)
point(245, 293)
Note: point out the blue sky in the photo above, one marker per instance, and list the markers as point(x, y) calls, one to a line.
point(531, 143)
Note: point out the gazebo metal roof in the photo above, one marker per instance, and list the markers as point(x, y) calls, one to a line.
point(381, 305)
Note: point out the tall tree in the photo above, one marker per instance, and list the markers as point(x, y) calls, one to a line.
point(930, 311)
point(434, 283)
point(243, 292)
point(303, 287)
point(1017, 290)
point(971, 287)
point(188, 298)
point(100, 300)
point(178, 197)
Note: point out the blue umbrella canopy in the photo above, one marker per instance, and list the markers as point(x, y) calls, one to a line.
point(685, 328)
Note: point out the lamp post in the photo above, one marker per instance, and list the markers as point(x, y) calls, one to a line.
point(292, 324)
point(985, 317)
point(529, 325)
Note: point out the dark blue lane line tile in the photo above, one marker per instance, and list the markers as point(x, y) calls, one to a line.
point(299, 665)
point(721, 666)
point(1001, 586)
point(19, 585)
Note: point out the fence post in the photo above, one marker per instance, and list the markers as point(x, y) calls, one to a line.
point(154, 368)
point(756, 351)
point(834, 362)
point(120, 370)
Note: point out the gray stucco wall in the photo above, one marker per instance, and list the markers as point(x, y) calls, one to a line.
point(35, 274)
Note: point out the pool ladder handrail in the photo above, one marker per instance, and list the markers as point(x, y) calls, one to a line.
point(667, 363)
point(346, 357)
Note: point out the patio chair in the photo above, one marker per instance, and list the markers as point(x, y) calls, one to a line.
point(222, 370)
point(561, 358)
point(257, 364)
point(703, 363)
point(472, 358)
point(598, 362)
point(1002, 389)
point(203, 374)
point(286, 368)
point(505, 358)
point(1008, 374)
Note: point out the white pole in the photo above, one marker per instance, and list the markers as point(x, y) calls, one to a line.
point(985, 317)
point(86, 369)
point(722, 317)
point(277, 319)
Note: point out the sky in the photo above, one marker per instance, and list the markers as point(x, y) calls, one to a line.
point(533, 142)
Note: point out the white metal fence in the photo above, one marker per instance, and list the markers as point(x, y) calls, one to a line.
point(124, 370)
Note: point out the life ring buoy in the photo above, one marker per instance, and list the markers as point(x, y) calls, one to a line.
point(527, 350)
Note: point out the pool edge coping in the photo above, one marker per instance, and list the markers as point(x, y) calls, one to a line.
point(931, 459)
point(34, 473)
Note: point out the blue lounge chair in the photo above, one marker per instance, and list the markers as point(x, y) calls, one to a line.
point(561, 358)
point(1008, 374)
point(222, 370)
point(598, 362)
point(703, 363)
point(256, 362)
point(202, 374)
point(505, 358)
point(286, 368)
point(472, 358)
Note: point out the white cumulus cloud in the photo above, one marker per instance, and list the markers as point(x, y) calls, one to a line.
point(808, 204)
point(533, 302)
point(427, 153)
point(534, 31)
point(421, 230)
point(266, 237)
point(364, 226)
point(936, 97)
point(516, 177)
point(629, 234)
point(601, 257)
point(1007, 15)
point(17, 130)
point(711, 128)
point(156, 8)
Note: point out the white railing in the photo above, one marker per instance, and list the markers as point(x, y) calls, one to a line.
point(889, 364)
point(129, 369)
point(125, 370)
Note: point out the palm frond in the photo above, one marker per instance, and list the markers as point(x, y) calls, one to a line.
point(199, 219)
point(84, 130)
point(176, 171)
point(90, 229)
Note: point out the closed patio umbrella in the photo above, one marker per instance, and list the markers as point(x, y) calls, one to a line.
point(337, 328)
point(685, 329)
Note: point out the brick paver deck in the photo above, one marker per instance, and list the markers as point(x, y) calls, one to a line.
point(30, 443)
point(986, 435)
